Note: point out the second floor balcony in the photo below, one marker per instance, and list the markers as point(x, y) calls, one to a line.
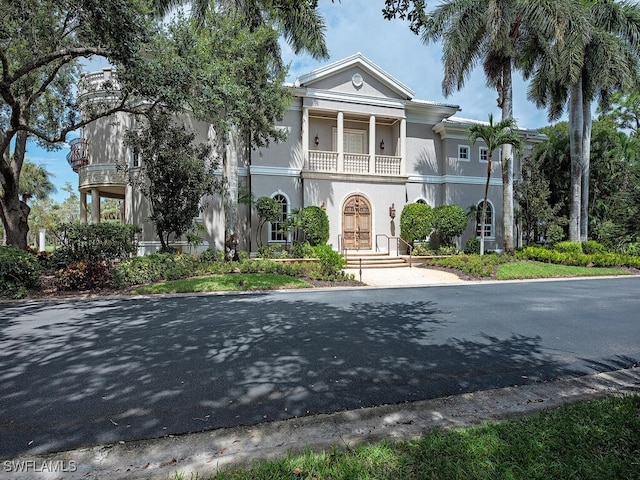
point(324, 161)
point(355, 143)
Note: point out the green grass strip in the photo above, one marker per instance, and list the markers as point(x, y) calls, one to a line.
point(528, 269)
point(221, 283)
point(598, 440)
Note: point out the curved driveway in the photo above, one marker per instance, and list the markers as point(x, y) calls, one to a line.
point(84, 372)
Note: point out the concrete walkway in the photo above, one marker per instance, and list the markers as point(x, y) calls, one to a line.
point(404, 276)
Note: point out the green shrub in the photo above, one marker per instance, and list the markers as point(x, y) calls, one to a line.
point(315, 225)
point(97, 242)
point(568, 247)
point(84, 276)
point(269, 251)
point(212, 255)
point(555, 233)
point(154, 268)
point(591, 247)
point(19, 272)
point(422, 251)
point(330, 262)
point(301, 250)
point(449, 222)
point(473, 265)
point(448, 250)
point(416, 222)
point(631, 249)
point(472, 246)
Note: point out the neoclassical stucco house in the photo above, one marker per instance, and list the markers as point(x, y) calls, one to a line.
point(359, 145)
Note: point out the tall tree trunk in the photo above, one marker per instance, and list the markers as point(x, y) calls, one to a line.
point(483, 217)
point(14, 213)
point(576, 131)
point(507, 163)
point(231, 195)
point(586, 160)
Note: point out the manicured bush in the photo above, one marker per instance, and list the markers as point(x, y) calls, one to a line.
point(19, 272)
point(416, 222)
point(330, 262)
point(449, 222)
point(472, 246)
point(568, 247)
point(98, 242)
point(315, 225)
point(591, 247)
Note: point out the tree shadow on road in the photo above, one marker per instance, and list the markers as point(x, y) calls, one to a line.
point(100, 371)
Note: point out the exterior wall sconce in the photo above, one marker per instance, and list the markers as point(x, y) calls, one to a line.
point(316, 140)
point(392, 211)
point(323, 206)
point(381, 144)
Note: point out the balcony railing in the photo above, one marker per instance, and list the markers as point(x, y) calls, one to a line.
point(386, 165)
point(320, 161)
point(79, 154)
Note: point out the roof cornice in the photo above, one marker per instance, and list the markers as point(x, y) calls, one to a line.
point(357, 60)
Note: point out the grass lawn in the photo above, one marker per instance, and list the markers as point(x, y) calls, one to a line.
point(228, 282)
point(530, 269)
point(588, 440)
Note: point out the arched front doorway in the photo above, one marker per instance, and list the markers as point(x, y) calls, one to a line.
point(356, 223)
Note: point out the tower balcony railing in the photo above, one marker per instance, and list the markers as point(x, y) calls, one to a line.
point(79, 155)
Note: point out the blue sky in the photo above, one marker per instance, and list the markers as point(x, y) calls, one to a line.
point(357, 26)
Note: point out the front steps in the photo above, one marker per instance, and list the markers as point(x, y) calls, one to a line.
point(375, 260)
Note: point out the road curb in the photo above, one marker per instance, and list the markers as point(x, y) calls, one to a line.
point(204, 453)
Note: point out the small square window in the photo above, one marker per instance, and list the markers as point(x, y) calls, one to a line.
point(463, 153)
point(484, 154)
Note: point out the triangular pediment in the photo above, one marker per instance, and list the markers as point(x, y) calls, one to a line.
point(356, 75)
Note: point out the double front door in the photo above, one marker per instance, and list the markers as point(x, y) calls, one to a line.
point(356, 223)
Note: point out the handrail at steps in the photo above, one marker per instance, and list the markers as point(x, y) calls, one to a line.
point(398, 240)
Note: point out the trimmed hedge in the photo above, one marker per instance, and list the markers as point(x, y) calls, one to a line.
point(606, 259)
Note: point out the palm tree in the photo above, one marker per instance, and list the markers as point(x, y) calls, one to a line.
point(494, 136)
point(34, 182)
point(579, 52)
point(484, 31)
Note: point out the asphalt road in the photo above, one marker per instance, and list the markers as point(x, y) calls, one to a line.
point(87, 372)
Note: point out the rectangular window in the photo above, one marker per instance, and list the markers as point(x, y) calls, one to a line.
point(463, 153)
point(484, 154)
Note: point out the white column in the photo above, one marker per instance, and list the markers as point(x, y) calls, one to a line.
point(340, 141)
point(95, 205)
point(83, 207)
point(403, 146)
point(305, 137)
point(372, 144)
point(41, 240)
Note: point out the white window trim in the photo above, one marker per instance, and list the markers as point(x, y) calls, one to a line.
point(460, 159)
point(480, 150)
point(288, 239)
point(493, 220)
